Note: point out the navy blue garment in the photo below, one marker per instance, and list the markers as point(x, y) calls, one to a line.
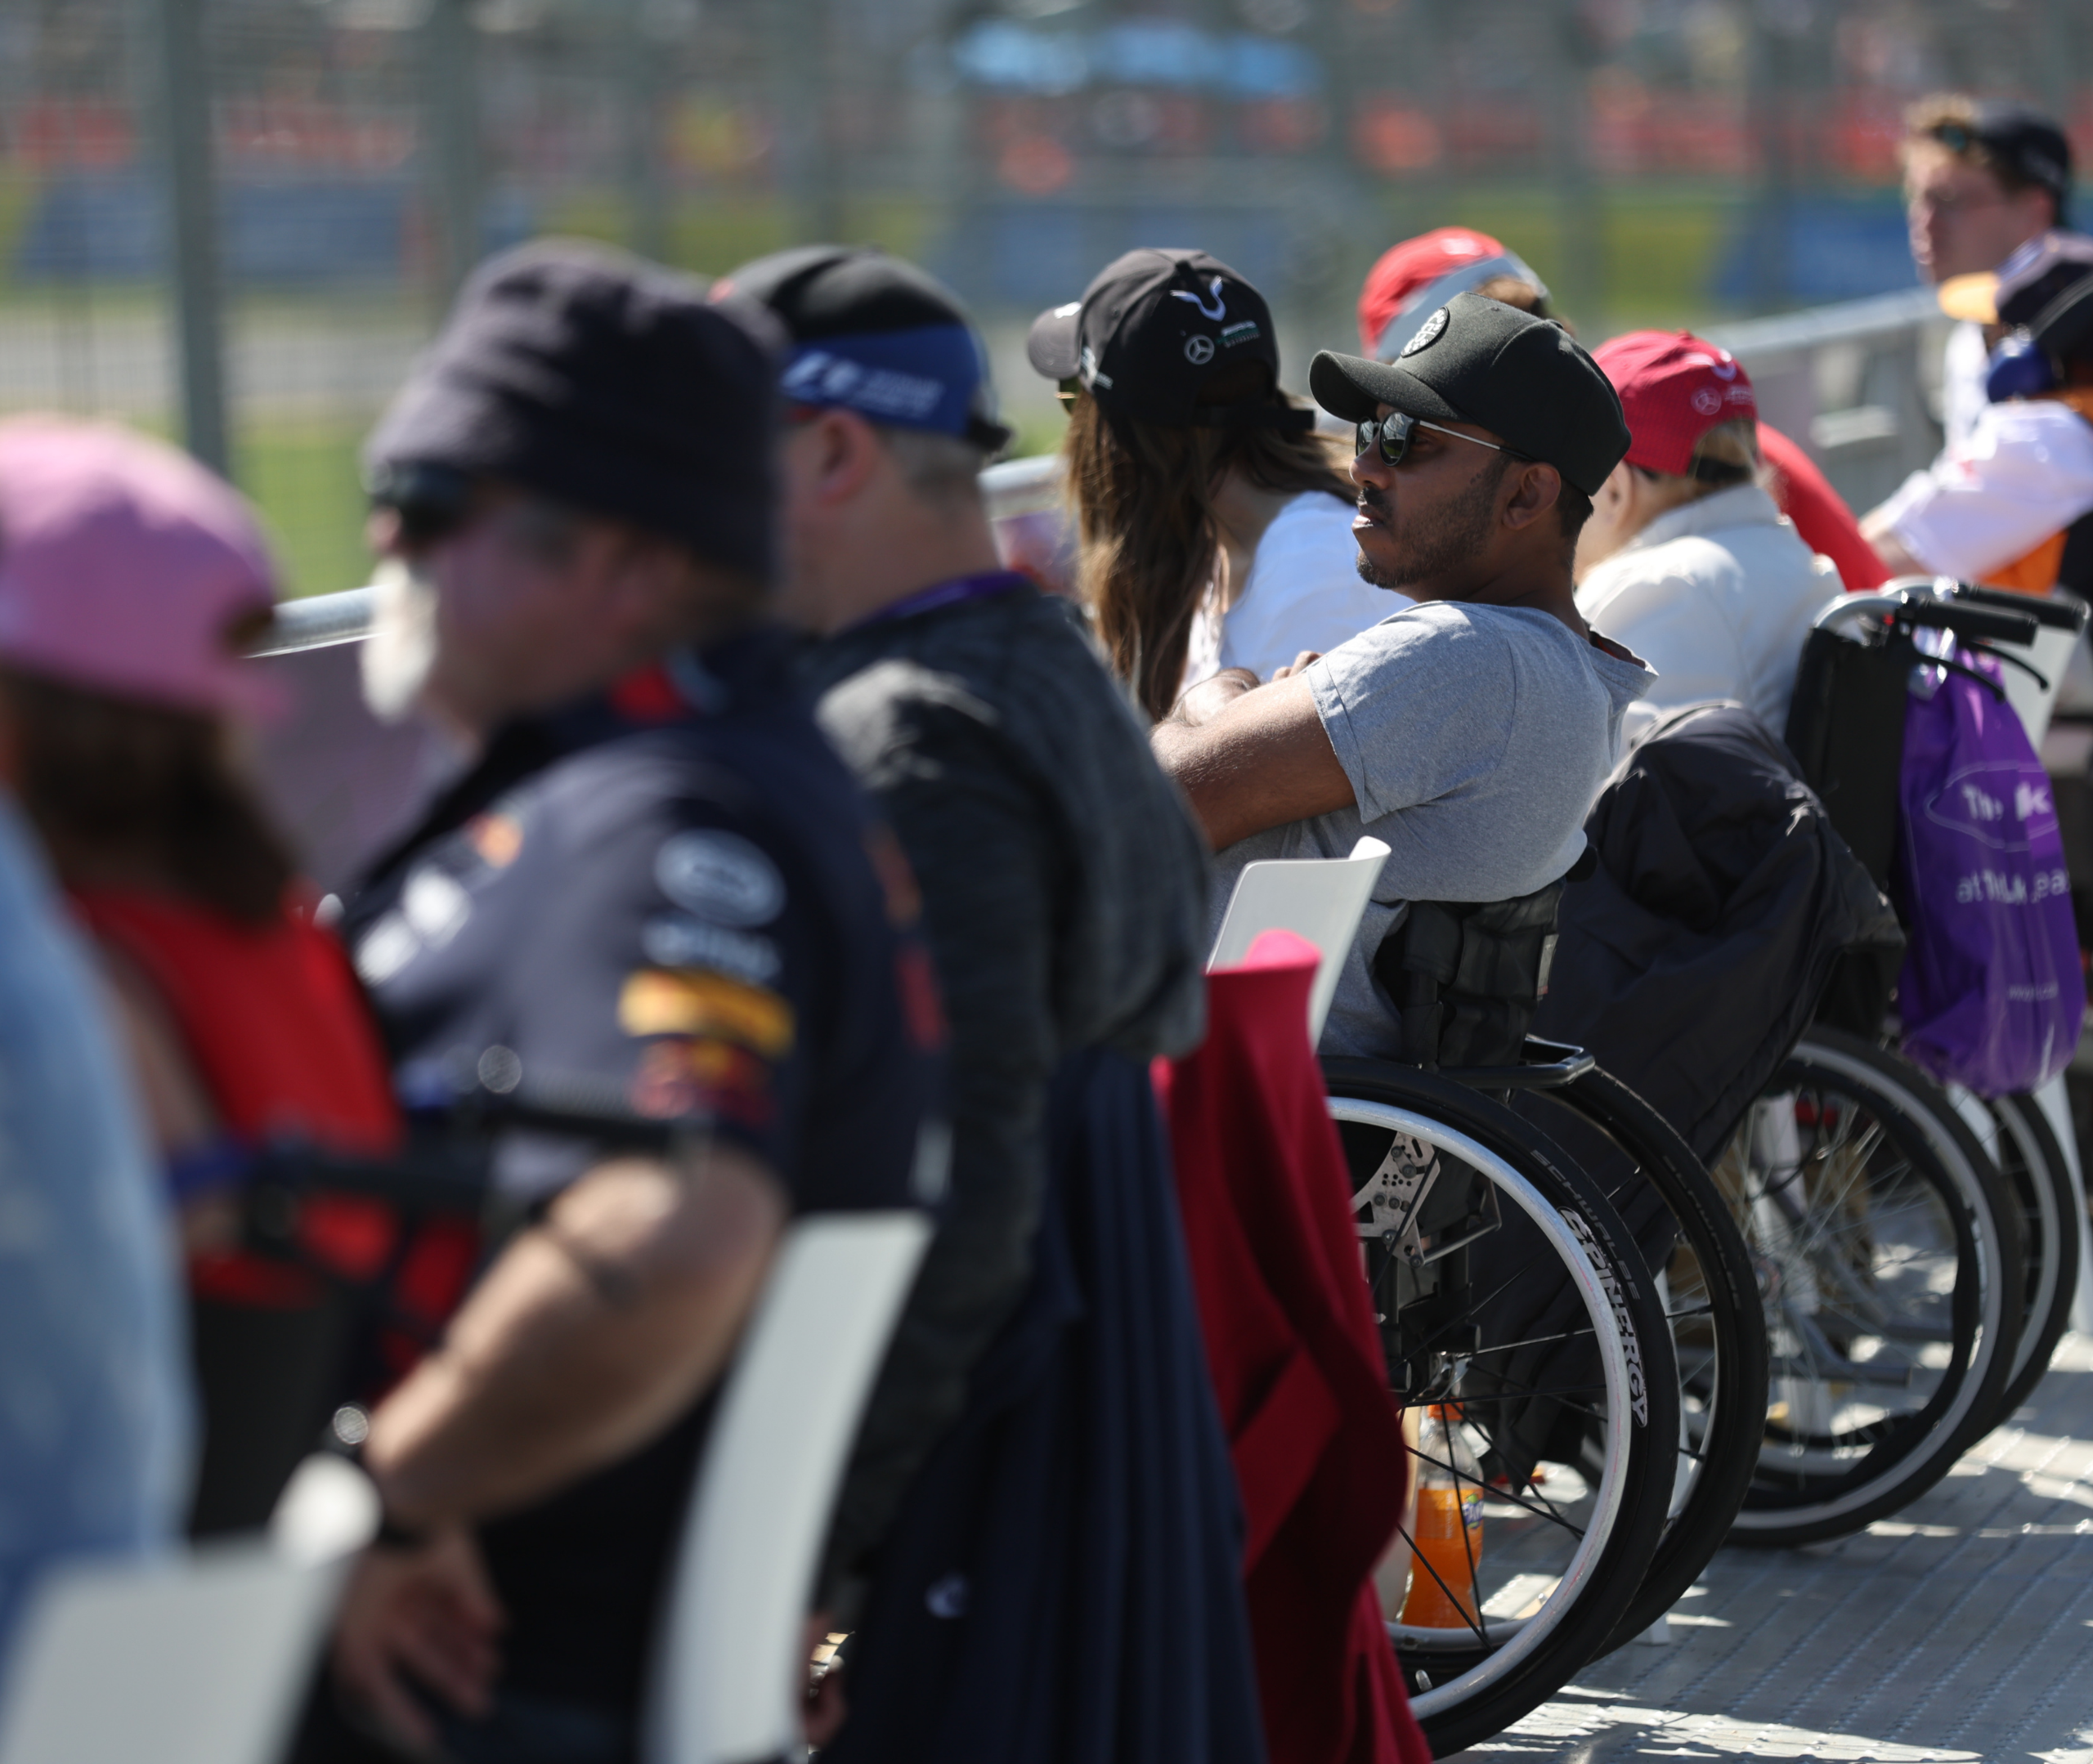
point(1064, 1584)
point(668, 898)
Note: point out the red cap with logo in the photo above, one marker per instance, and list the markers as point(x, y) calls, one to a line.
point(1674, 386)
point(1413, 279)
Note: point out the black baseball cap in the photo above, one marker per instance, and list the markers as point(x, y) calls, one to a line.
point(1526, 380)
point(871, 333)
point(606, 383)
point(1152, 329)
point(2064, 329)
point(2024, 141)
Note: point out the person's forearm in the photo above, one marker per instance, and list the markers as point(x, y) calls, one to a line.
point(1258, 759)
point(589, 1335)
point(1889, 547)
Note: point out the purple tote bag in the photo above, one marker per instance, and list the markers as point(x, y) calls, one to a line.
point(1991, 993)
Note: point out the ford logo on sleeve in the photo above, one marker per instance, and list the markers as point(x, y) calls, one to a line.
point(719, 876)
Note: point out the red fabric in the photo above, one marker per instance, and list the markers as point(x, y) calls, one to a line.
point(1673, 388)
point(1819, 513)
point(282, 1042)
point(1403, 269)
point(272, 1015)
point(1295, 1355)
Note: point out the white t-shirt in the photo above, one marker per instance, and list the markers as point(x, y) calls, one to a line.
point(1718, 596)
point(1966, 365)
point(1304, 592)
point(2025, 472)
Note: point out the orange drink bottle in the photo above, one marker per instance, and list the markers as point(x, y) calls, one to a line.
point(1448, 1538)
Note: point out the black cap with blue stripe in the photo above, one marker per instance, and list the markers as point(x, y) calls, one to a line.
point(871, 333)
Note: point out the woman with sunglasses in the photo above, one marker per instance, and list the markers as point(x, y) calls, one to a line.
point(130, 581)
point(1215, 525)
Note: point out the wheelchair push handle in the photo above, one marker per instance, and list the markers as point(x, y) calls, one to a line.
point(1976, 624)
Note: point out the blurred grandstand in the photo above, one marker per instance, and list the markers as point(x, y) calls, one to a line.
point(1660, 161)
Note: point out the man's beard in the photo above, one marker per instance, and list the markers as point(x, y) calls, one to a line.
point(400, 650)
point(1458, 534)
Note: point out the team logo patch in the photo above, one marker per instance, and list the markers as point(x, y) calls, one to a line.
point(1210, 303)
point(675, 940)
point(1243, 331)
point(1199, 351)
point(497, 838)
point(1707, 401)
point(656, 1001)
point(1428, 333)
point(719, 876)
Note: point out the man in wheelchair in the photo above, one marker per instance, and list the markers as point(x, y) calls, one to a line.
point(1469, 732)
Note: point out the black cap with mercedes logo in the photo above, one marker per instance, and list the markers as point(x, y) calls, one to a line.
point(1525, 379)
point(1153, 328)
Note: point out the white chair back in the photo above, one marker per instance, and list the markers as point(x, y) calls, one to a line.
point(193, 1657)
point(732, 1667)
point(1321, 899)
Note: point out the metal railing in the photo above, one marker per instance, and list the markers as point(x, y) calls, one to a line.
point(1857, 384)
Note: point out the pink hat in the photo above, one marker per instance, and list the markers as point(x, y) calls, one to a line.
point(124, 565)
point(1673, 388)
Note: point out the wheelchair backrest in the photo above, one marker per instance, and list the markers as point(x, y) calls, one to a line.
point(1465, 977)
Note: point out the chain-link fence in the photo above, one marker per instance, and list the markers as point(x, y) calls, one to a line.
point(235, 220)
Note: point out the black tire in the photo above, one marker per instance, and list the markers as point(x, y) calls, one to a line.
point(1558, 1239)
point(1943, 1249)
point(2032, 1163)
point(1679, 1219)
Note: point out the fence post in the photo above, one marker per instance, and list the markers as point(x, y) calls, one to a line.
point(192, 212)
point(450, 112)
point(643, 49)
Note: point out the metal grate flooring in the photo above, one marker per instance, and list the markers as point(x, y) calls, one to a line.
point(1962, 1629)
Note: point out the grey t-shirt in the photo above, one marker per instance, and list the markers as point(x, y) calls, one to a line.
point(1475, 739)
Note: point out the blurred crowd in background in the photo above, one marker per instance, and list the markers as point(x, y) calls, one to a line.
point(1665, 162)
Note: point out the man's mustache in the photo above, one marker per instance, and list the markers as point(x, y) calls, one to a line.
point(1372, 496)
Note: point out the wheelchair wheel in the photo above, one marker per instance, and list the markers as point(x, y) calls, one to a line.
point(1890, 1257)
point(2033, 1163)
point(1508, 1289)
point(1677, 1217)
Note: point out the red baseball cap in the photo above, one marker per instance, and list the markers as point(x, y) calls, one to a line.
point(127, 568)
point(1674, 386)
point(1413, 279)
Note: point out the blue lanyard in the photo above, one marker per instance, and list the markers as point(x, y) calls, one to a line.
point(952, 594)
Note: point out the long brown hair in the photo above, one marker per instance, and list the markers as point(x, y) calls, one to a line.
point(1144, 497)
point(113, 784)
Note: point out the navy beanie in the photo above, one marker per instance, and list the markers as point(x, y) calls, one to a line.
point(607, 383)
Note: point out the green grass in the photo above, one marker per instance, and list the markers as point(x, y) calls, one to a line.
point(304, 479)
point(1659, 241)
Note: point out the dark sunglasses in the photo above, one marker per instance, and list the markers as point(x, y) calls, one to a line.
point(430, 502)
point(1392, 435)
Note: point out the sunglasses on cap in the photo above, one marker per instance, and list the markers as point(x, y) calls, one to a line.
point(430, 502)
point(1392, 435)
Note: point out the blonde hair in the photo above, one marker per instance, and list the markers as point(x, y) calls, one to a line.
point(1727, 456)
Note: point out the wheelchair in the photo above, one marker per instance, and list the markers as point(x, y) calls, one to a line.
point(1550, 1261)
point(1922, 1243)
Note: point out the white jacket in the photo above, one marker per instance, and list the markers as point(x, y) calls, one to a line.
point(1717, 596)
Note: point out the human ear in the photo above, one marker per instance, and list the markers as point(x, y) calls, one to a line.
point(846, 455)
point(1535, 489)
